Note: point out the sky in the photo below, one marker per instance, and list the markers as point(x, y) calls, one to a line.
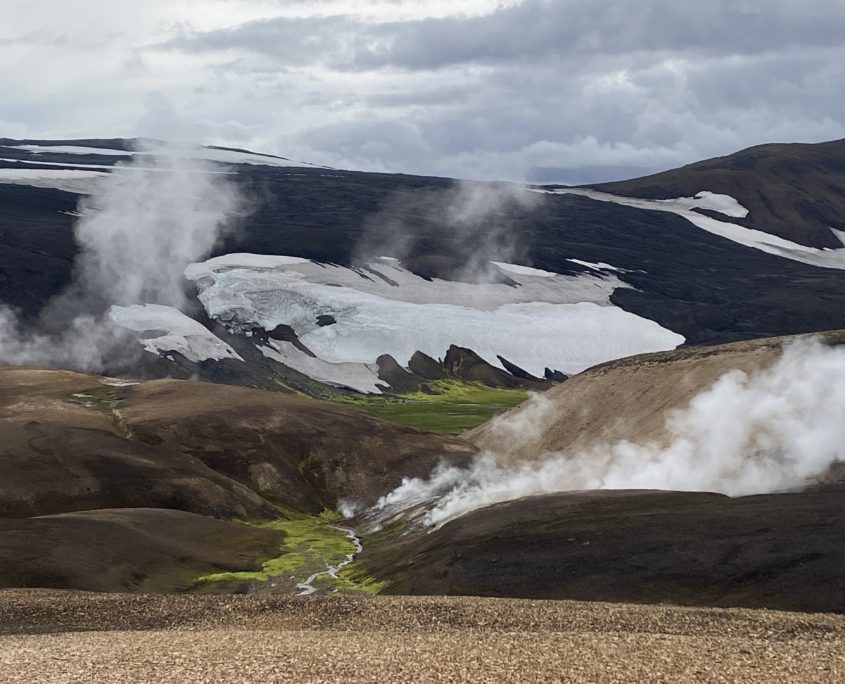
point(531, 90)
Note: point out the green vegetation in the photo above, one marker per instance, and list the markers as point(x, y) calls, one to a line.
point(310, 545)
point(450, 406)
point(354, 577)
point(102, 397)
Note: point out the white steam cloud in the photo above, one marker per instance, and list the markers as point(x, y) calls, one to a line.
point(454, 231)
point(773, 430)
point(145, 223)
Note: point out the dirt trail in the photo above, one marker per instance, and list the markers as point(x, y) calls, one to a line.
point(74, 637)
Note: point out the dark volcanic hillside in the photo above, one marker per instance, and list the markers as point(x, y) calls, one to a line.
point(774, 551)
point(795, 191)
point(703, 286)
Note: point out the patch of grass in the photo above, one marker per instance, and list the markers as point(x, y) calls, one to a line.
point(310, 545)
point(451, 406)
point(102, 397)
point(102, 393)
point(354, 577)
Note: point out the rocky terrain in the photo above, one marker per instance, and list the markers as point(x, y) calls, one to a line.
point(70, 637)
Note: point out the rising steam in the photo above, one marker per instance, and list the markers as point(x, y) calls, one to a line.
point(773, 430)
point(145, 223)
point(460, 227)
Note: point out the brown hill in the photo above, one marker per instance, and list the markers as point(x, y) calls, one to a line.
point(115, 487)
point(795, 191)
point(127, 549)
point(625, 399)
point(71, 443)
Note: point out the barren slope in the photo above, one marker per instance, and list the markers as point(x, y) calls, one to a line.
point(778, 551)
point(71, 443)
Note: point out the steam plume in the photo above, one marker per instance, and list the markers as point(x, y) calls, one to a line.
point(777, 429)
point(466, 223)
point(145, 223)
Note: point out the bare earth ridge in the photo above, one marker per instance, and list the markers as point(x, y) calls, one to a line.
point(68, 637)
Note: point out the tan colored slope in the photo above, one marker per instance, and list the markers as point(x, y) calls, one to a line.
point(277, 444)
point(70, 637)
point(625, 399)
point(116, 488)
point(68, 443)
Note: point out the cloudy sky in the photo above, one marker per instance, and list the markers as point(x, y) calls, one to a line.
point(566, 90)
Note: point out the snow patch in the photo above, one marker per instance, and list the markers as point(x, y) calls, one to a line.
point(596, 265)
point(723, 204)
point(358, 376)
point(35, 162)
point(70, 180)
point(757, 239)
point(179, 332)
point(71, 149)
point(523, 270)
point(559, 321)
point(241, 260)
point(207, 153)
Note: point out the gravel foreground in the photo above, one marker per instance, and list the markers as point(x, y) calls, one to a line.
point(68, 637)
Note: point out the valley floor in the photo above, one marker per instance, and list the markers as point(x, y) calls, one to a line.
point(49, 636)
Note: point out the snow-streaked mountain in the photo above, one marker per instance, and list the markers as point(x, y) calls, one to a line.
point(793, 191)
point(330, 271)
point(724, 226)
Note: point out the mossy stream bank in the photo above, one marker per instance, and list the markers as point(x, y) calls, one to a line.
point(316, 554)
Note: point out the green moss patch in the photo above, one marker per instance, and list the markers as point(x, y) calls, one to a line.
point(102, 397)
point(310, 545)
point(450, 406)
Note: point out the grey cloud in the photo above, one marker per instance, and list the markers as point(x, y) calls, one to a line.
point(583, 27)
point(295, 40)
point(538, 28)
point(564, 90)
point(437, 96)
point(530, 122)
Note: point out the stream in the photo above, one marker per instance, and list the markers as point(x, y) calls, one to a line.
point(307, 587)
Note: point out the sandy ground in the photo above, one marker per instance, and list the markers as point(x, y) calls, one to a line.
point(75, 637)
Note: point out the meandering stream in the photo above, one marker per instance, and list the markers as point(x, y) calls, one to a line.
point(307, 587)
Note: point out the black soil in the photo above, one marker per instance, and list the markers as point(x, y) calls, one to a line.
point(776, 551)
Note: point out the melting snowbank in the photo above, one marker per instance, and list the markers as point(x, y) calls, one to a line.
point(543, 320)
point(172, 331)
point(76, 180)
